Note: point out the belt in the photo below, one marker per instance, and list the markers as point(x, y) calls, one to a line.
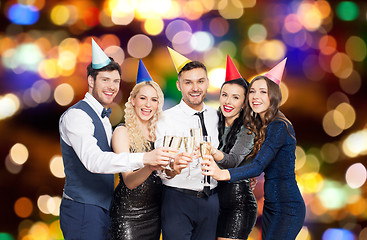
point(198, 194)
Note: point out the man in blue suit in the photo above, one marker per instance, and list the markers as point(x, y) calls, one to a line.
point(89, 163)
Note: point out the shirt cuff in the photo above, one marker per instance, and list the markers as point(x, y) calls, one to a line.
point(136, 160)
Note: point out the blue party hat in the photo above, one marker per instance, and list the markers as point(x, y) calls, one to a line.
point(143, 74)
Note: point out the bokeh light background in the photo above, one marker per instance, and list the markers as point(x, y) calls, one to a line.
point(45, 47)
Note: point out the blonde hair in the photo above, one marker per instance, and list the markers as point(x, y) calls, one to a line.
point(138, 142)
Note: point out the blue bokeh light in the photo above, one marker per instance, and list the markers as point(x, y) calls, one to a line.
point(23, 14)
point(337, 234)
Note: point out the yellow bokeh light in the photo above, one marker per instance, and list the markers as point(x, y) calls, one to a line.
point(19, 153)
point(64, 94)
point(39, 231)
point(153, 26)
point(285, 93)
point(42, 203)
point(257, 33)
point(358, 207)
point(355, 144)
point(60, 14)
point(273, 50)
point(310, 16)
point(330, 153)
point(193, 10)
point(57, 166)
point(332, 122)
point(122, 17)
point(216, 79)
point(48, 69)
point(348, 112)
point(117, 114)
point(67, 60)
point(9, 105)
point(231, 9)
point(300, 157)
point(351, 84)
point(304, 234)
point(53, 205)
point(356, 48)
point(341, 65)
point(311, 182)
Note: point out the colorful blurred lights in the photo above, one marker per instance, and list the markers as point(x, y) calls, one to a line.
point(9, 105)
point(23, 207)
point(19, 153)
point(356, 175)
point(355, 144)
point(337, 234)
point(202, 41)
point(257, 33)
point(347, 10)
point(23, 14)
point(64, 94)
point(57, 166)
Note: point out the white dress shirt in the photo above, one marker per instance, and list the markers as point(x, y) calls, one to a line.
point(180, 119)
point(77, 129)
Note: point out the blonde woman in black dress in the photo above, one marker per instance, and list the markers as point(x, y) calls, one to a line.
point(135, 212)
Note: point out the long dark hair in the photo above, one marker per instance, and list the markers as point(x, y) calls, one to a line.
point(253, 121)
point(237, 123)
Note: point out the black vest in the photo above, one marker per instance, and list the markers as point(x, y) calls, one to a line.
point(80, 184)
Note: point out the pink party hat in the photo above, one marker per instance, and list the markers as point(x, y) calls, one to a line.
point(275, 74)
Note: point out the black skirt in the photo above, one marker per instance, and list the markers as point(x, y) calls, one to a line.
point(238, 210)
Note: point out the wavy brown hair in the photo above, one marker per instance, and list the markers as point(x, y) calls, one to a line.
point(138, 142)
point(253, 120)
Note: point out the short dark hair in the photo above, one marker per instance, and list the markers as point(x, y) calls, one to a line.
point(112, 66)
point(192, 65)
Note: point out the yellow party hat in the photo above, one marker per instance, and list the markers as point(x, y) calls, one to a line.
point(178, 60)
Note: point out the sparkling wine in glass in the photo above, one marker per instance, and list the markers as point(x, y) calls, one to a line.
point(171, 140)
point(189, 144)
point(205, 149)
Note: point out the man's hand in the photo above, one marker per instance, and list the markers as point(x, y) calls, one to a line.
point(159, 157)
point(182, 160)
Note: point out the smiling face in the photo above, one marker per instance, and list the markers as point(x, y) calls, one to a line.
point(231, 101)
point(145, 103)
point(105, 87)
point(258, 97)
point(193, 85)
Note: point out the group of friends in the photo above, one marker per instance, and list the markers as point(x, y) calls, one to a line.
point(249, 135)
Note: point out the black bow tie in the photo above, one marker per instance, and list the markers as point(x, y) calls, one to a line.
point(106, 112)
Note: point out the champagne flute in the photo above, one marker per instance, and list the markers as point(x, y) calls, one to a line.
point(197, 135)
point(171, 140)
point(189, 144)
point(205, 149)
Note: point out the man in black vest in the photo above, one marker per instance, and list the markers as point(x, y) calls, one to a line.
point(89, 163)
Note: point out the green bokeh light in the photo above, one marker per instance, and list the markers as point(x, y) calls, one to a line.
point(347, 10)
point(6, 236)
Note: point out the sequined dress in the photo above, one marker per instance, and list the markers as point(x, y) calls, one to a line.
point(284, 208)
point(135, 214)
point(238, 206)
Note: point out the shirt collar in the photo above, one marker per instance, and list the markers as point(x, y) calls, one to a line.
point(97, 106)
point(188, 110)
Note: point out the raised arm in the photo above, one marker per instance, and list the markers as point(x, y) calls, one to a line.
point(276, 136)
point(77, 130)
point(120, 143)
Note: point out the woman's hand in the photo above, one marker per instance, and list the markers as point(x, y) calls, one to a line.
point(210, 168)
